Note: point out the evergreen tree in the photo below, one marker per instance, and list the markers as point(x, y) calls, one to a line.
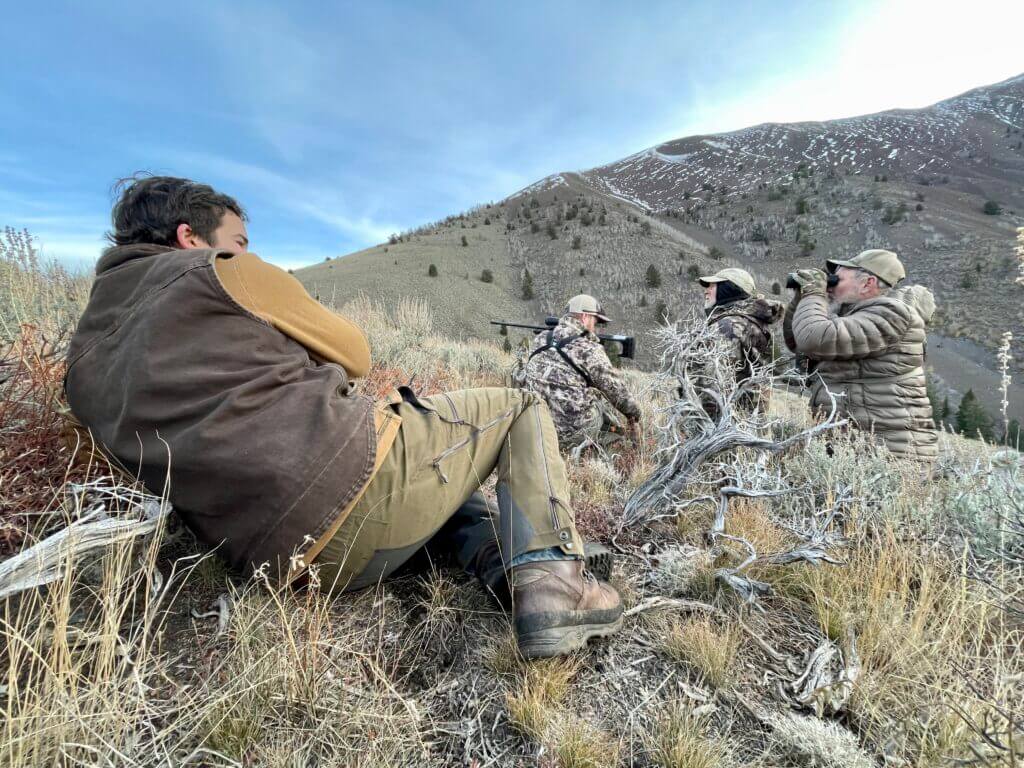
point(432, 270)
point(660, 311)
point(527, 285)
point(971, 418)
point(653, 277)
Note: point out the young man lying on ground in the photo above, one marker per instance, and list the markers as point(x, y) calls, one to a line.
point(214, 377)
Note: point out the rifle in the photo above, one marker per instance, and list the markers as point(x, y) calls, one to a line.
point(626, 343)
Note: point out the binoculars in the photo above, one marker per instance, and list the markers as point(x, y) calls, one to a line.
point(831, 281)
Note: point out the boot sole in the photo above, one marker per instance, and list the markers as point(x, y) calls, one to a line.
point(559, 641)
point(599, 560)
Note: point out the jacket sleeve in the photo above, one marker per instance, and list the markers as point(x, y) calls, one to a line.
point(787, 323)
point(594, 360)
point(824, 336)
point(734, 331)
point(275, 296)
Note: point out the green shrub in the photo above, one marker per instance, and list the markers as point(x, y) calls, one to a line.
point(971, 418)
point(660, 311)
point(527, 291)
point(653, 277)
point(487, 276)
point(991, 208)
point(432, 270)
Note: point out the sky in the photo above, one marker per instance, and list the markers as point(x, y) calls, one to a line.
point(336, 123)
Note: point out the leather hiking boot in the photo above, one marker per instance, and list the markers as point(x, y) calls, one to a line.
point(489, 568)
point(558, 605)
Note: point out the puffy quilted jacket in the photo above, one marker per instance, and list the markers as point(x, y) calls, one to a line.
point(872, 353)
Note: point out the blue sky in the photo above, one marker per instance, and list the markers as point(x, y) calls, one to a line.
point(338, 123)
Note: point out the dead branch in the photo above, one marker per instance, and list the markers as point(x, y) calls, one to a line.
point(115, 514)
point(708, 418)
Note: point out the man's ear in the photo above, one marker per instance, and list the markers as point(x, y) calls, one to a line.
point(186, 238)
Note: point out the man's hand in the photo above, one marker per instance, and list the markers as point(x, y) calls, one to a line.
point(810, 281)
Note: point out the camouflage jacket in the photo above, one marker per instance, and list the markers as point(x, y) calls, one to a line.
point(746, 324)
point(567, 394)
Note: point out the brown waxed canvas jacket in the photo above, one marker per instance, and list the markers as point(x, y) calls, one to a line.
point(258, 445)
point(872, 352)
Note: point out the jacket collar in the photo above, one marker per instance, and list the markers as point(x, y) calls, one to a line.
point(121, 254)
point(570, 323)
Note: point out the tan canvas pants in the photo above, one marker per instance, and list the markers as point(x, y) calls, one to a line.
point(427, 485)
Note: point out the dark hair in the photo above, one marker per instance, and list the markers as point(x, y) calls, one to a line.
point(728, 292)
point(150, 208)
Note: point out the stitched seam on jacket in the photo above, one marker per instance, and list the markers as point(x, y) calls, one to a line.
point(118, 324)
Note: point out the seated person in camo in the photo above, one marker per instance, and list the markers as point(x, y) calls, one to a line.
point(568, 367)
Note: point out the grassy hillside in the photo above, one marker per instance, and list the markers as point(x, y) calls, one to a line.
point(147, 652)
point(567, 240)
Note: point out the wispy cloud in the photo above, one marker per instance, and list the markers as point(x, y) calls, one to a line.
point(323, 203)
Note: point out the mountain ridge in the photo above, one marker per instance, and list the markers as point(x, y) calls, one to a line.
point(769, 198)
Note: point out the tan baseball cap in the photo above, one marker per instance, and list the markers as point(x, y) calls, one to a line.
point(738, 277)
point(586, 303)
point(881, 263)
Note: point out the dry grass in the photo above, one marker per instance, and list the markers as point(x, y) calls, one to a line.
point(578, 744)
point(710, 649)
point(108, 666)
point(680, 740)
point(533, 702)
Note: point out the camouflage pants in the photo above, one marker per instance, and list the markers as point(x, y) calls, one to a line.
point(426, 490)
point(605, 426)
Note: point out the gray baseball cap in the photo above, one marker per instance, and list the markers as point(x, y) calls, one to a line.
point(585, 303)
point(881, 263)
point(738, 277)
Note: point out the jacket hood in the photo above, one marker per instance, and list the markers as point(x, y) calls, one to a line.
point(919, 297)
point(119, 254)
point(764, 311)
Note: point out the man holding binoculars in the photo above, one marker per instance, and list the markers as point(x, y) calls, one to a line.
point(865, 339)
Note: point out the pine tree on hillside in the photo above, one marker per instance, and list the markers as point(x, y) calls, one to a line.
point(653, 277)
point(660, 311)
point(971, 418)
point(527, 285)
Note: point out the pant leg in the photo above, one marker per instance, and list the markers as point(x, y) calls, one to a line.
point(447, 446)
